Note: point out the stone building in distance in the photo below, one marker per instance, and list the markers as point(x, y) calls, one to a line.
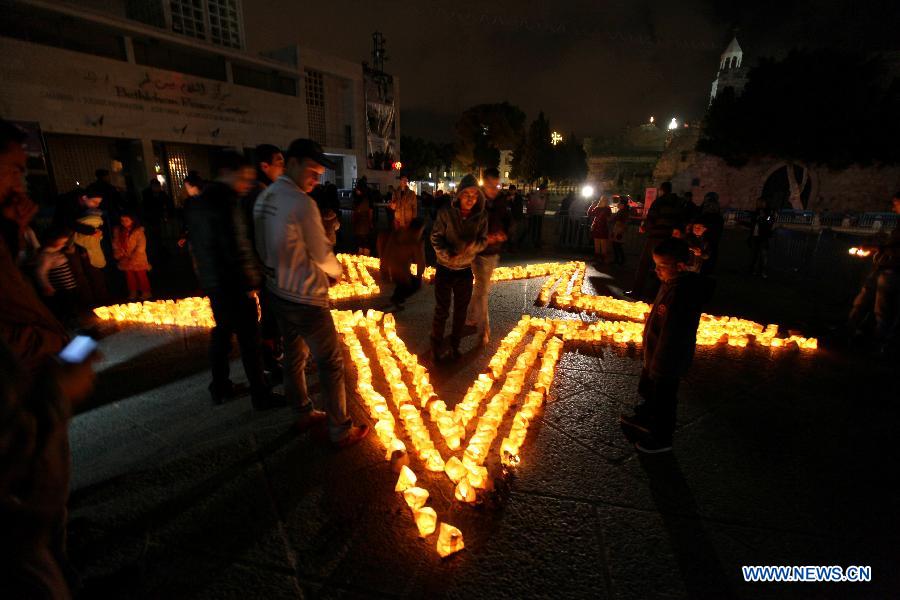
point(782, 184)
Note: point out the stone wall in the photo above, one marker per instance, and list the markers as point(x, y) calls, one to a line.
point(854, 189)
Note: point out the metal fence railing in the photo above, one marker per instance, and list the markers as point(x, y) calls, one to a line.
point(873, 221)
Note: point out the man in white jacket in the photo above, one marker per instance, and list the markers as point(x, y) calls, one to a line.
point(300, 265)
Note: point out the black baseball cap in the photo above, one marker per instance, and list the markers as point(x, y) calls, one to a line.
point(305, 148)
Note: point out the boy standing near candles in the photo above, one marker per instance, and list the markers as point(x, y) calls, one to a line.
point(459, 233)
point(670, 335)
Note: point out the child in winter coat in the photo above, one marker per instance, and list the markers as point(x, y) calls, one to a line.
point(130, 252)
point(670, 335)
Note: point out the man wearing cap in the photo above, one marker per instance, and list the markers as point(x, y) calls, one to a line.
point(300, 266)
point(404, 204)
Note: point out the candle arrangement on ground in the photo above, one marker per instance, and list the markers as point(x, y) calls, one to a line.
point(392, 384)
point(186, 312)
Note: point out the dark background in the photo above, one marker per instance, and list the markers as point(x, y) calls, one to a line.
point(591, 66)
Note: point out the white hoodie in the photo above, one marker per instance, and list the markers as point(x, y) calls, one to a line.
point(291, 243)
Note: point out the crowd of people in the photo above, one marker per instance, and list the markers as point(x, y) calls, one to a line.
point(261, 236)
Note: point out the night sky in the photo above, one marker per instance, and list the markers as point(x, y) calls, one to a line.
point(592, 66)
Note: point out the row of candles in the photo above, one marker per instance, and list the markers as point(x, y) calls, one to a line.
point(712, 329)
point(450, 539)
point(356, 281)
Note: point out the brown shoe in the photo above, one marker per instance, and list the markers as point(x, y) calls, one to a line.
point(311, 419)
point(356, 434)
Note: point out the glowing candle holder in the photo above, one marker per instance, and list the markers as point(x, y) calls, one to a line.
point(406, 480)
point(415, 497)
point(426, 521)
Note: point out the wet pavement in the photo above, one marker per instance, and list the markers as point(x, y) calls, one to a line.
point(781, 458)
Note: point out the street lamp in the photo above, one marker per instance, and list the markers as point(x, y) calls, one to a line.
point(555, 138)
point(673, 124)
point(587, 191)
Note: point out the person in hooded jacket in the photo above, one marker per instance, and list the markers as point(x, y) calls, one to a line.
point(459, 233)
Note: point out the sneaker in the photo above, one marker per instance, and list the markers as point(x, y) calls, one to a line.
point(269, 401)
point(652, 446)
point(310, 419)
point(634, 422)
point(354, 436)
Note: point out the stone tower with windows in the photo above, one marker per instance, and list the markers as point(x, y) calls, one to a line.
point(732, 72)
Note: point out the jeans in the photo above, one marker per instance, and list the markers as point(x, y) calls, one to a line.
point(310, 329)
point(880, 295)
point(447, 283)
point(659, 405)
point(482, 267)
point(235, 314)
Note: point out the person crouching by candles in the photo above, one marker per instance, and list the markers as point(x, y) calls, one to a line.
point(459, 233)
point(130, 252)
point(669, 339)
point(402, 248)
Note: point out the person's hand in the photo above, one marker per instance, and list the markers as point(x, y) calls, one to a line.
point(97, 233)
point(181, 242)
point(76, 381)
point(642, 229)
point(20, 209)
point(677, 234)
point(696, 251)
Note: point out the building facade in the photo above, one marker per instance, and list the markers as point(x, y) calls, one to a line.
point(148, 89)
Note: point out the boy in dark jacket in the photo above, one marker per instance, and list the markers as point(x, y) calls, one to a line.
point(670, 335)
point(459, 233)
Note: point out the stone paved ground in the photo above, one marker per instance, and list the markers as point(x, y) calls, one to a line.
point(789, 460)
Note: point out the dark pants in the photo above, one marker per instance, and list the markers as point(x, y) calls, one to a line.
point(640, 277)
point(618, 253)
point(659, 405)
point(879, 296)
point(310, 329)
point(65, 306)
point(447, 283)
point(759, 255)
point(235, 314)
point(405, 289)
point(271, 336)
point(535, 228)
point(91, 281)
